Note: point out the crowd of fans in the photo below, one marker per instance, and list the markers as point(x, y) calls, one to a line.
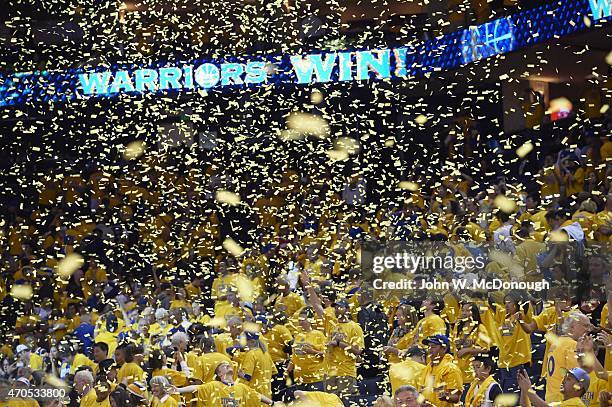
point(162, 308)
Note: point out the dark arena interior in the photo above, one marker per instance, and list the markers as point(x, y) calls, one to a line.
point(380, 203)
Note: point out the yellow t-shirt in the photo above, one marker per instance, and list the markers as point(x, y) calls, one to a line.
point(561, 357)
point(130, 371)
point(207, 364)
point(82, 360)
point(90, 399)
point(341, 362)
point(591, 397)
point(322, 399)
point(259, 366)
point(217, 394)
point(406, 373)
point(604, 323)
point(278, 337)
point(36, 362)
point(308, 368)
point(446, 376)
point(165, 401)
point(22, 403)
point(109, 338)
point(175, 377)
point(471, 336)
point(429, 326)
point(292, 302)
point(547, 321)
point(513, 342)
point(573, 402)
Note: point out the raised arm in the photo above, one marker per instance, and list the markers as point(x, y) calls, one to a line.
point(311, 294)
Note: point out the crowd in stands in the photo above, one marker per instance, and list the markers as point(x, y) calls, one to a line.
point(163, 310)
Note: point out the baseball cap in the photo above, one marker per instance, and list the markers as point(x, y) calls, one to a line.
point(21, 348)
point(342, 303)
point(582, 376)
point(436, 340)
point(137, 389)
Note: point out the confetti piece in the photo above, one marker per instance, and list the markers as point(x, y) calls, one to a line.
point(69, 264)
point(227, 197)
point(316, 97)
point(233, 247)
point(505, 204)
point(337, 155)
point(525, 149)
point(308, 124)
point(506, 399)
point(421, 119)
point(609, 58)
point(134, 150)
point(22, 291)
point(409, 185)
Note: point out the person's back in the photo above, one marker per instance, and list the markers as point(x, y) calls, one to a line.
point(207, 364)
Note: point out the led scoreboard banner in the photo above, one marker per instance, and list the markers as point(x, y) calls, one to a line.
point(462, 47)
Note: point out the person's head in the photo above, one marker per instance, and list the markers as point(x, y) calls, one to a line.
point(159, 386)
point(108, 368)
point(111, 323)
point(406, 396)
point(417, 354)
point(180, 340)
point(161, 315)
point(83, 381)
point(575, 383)
point(437, 346)
point(234, 325)
point(532, 201)
point(100, 351)
point(119, 397)
point(282, 284)
point(342, 308)
point(470, 312)
point(511, 303)
point(225, 372)
point(576, 325)
point(120, 353)
point(562, 298)
point(484, 366)
point(102, 388)
point(23, 353)
point(406, 315)
point(431, 305)
point(157, 360)
point(555, 218)
point(597, 268)
point(306, 318)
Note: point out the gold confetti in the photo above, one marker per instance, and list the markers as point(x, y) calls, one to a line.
point(227, 197)
point(505, 204)
point(609, 58)
point(409, 185)
point(134, 150)
point(233, 247)
point(316, 97)
point(69, 264)
point(22, 291)
point(309, 124)
point(506, 399)
point(421, 119)
point(337, 155)
point(525, 149)
point(348, 144)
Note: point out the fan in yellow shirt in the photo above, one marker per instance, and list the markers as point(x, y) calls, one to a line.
point(484, 390)
point(442, 383)
point(84, 386)
point(307, 359)
point(256, 367)
point(432, 324)
point(562, 354)
point(225, 392)
point(161, 398)
point(208, 360)
point(317, 399)
point(470, 337)
point(287, 301)
point(574, 385)
point(130, 372)
point(408, 372)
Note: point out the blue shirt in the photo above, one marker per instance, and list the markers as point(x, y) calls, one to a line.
point(85, 335)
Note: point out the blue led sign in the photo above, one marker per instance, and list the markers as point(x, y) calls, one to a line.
point(497, 37)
